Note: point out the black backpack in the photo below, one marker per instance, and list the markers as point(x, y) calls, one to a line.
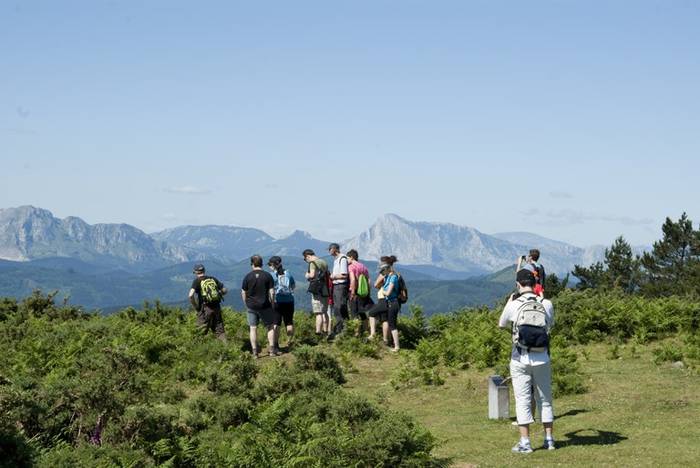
point(403, 291)
point(318, 285)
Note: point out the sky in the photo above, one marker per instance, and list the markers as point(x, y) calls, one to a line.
point(575, 120)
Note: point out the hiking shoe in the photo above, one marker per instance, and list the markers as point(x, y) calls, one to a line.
point(522, 448)
point(255, 354)
point(548, 444)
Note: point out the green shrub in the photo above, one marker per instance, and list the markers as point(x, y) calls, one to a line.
point(15, 449)
point(357, 346)
point(413, 328)
point(567, 378)
point(410, 372)
point(313, 359)
point(90, 456)
point(668, 352)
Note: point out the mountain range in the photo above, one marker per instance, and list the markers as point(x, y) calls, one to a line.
point(105, 265)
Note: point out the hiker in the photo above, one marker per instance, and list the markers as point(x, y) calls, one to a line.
point(360, 298)
point(530, 318)
point(317, 274)
point(205, 296)
point(531, 262)
point(341, 282)
point(388, 307)
point(283, 303)
point(258, 293)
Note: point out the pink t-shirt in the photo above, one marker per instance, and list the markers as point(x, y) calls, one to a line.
point(358, 269)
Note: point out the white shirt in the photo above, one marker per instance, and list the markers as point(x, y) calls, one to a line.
point(508, 316)
point(340, 266)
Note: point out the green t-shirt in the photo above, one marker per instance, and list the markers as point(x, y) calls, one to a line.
point(322, 265)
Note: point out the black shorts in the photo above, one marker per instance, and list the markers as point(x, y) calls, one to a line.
point(386, 311)
point(379, 310)
point(284, 311)
point(359, 306)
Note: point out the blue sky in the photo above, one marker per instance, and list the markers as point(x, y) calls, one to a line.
point(579, 121)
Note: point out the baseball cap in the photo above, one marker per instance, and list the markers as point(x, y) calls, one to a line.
point(198, 268)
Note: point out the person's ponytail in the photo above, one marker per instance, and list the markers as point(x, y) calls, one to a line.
point(389, 260)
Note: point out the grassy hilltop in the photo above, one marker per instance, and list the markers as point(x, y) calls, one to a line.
point(139, 388)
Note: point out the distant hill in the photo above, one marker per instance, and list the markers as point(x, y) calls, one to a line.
point(456, 248)
point(87, 285)
point(110, 265)
point(217, 242)
point(28, 233)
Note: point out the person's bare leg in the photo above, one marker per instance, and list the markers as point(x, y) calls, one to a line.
point(254, 339)
point(290, 334)
point(525, 431)
point(548, 428)
point(276, 338)
point(372, 327)
point(395, 337)
point(385, 332)
point(319, 323)
point(271, 332)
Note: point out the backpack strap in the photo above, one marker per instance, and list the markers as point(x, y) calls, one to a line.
point(318, 270)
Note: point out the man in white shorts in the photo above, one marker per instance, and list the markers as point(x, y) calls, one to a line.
point(530, 317)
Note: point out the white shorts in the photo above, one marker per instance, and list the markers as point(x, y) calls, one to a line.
point(525, 377)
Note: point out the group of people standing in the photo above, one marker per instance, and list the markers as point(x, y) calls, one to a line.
point(342, 290)
point(339, 292)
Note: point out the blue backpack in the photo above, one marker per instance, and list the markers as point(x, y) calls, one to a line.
point(283, 285)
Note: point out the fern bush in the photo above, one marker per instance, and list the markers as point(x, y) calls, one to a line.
point(142, 388)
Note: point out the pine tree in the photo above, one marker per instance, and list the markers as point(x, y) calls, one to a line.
point(673, 266)
point(619, 269)
point(590, 277)
point(622, 266)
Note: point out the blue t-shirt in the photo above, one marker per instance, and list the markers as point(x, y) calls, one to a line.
point(283, 292)
point(393, 278)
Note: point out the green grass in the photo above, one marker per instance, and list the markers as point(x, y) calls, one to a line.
point(636, 413)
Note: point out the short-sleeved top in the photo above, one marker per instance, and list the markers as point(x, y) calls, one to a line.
point(340, 267)
point(197, 286)
point(319, 264)
point(392, 278)
point(257, 285)
point(280, 297)
point(358, 269)
point(508, 316)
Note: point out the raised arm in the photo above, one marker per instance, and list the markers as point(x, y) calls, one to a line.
point(379, 282)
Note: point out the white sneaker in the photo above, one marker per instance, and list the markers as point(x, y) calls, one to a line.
point(522, 448)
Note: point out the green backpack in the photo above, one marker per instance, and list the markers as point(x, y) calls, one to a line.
point(210, 291)
point(362, 286)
